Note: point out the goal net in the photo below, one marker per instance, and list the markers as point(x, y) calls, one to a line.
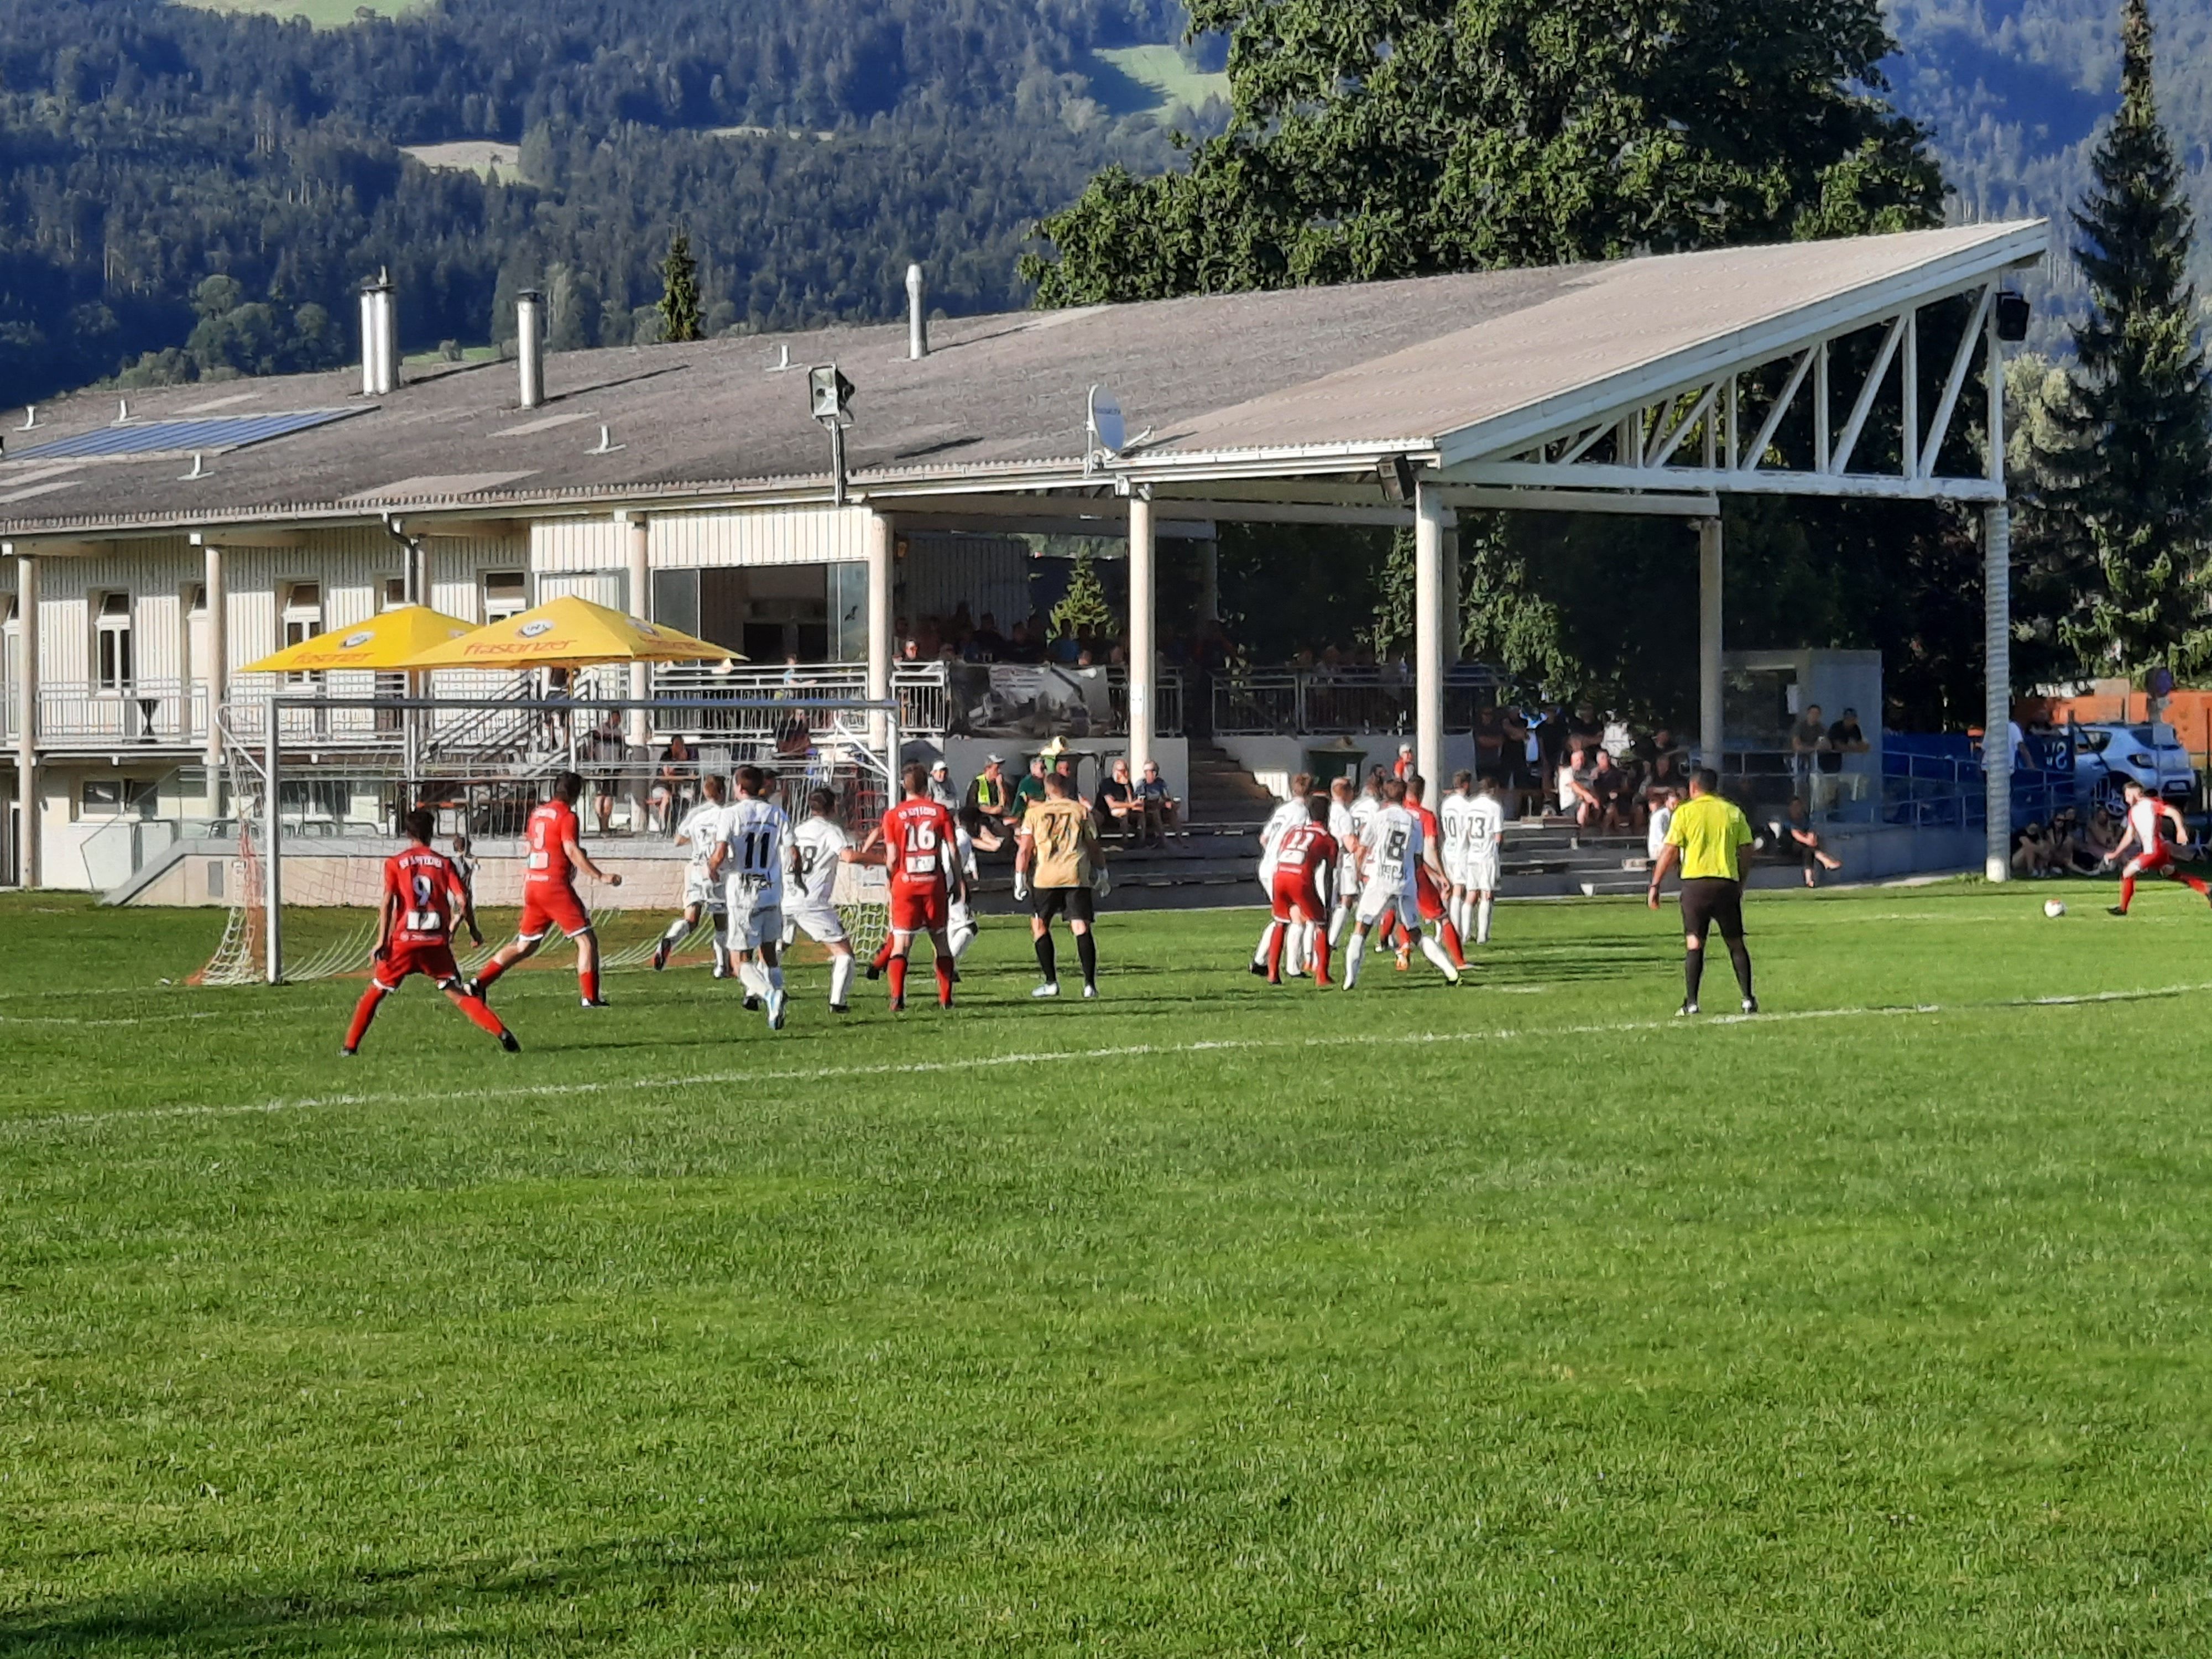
point(307, 875)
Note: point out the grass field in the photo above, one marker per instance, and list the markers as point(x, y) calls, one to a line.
point(1136, 80)
point(1204, 1319)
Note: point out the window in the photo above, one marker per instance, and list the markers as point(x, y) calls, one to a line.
point(506, 594)
point(196, 599)
point(112, 644)
point(303, 619)
point(114, 797)
point(395, 593)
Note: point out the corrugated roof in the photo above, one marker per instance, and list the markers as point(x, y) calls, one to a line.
point(1394, 364)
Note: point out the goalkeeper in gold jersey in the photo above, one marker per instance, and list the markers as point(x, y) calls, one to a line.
point(1057, 869)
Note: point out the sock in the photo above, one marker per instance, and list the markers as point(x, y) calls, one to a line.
point(1435, 953)
point(1086, 952)
point(675, 932)
point(1321, 959)
point(2197, 882)
point(1338, 916)
point(1047, 963)
point(1482, 921)
point(488, 976)
point(2127, 891)
point(883, 956)
point(754, 980)
point(1305, 938)
point(479, 1012)
point(1268, 935)
point(1275, 954)
point(1352, 953)
point(897, 967)
point(364, 1010)
point(944, 979)
point(587, 982)
point(1693, 970)
point(1452, 945)
point(840, 979)
point(722, 942)
point(1740, 958)
point(776, 977)
point(1294, 947)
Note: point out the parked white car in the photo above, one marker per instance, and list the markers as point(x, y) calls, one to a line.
point(2106, 756)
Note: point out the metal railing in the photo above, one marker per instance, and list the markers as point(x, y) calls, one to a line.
point(85, 717)
point(1314, 701)
point(922, 690)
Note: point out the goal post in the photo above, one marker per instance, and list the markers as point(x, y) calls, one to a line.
point(319, 784)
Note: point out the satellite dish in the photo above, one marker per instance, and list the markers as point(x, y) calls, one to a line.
point(1108, 431)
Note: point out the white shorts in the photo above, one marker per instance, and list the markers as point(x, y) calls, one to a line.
point(703, 890)
point(754, 926)
point(819, 922)
point(1348, 882)
point(1375, 902)
point(1478, 873)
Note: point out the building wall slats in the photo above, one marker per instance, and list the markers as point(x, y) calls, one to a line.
point(791, 535)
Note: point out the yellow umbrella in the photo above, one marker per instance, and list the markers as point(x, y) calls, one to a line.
point(567, 632)
point(386, 641)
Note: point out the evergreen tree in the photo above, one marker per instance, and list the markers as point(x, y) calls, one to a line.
point(1085, 602)
point(2130, 495)
point(679, 298)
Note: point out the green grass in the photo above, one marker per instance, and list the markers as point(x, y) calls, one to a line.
point(1139, 80)
point(1204, 1319)
point(323, 14)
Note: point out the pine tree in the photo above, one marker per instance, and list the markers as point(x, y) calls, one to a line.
point(679, 299)
point(2131, 475)
point(1085, 602)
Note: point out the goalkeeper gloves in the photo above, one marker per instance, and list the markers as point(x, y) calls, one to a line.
point(1099, 882)
point(1021, 888)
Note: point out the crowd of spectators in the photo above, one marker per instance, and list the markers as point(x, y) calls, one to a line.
point(962, 638)
point(2067, 845)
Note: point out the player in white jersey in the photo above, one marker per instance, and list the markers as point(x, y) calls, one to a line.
point(1474, 825)
point(971, 830)
point(820, 849)
point(702, 831)
point(1391, 853)
point(1288, 816)
point(749, 861)
point(1345, 897)
point(1360, 814)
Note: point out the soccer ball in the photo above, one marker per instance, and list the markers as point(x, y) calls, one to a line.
point(2054, 909)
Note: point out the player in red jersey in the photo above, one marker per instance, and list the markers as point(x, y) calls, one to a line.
point(422, 894)
point(548, 893)
point(2147, 816)
point(1305, 857)
point(921, 855)
point(1430, 883)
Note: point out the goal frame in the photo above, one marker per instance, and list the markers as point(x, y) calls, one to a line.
point(879, 739)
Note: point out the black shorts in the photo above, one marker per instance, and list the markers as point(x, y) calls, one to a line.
point(1046, 902)
point(1712, 901)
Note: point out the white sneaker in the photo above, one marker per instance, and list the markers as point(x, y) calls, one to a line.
point(1091, 993)
point(776, 1004)
point(721, 970)
point(1050, 988)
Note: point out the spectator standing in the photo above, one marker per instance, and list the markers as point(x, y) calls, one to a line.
point(673, 782)
point(1667, 802)
point(1844, 738)
point(1808, 738)
point(1404, 768)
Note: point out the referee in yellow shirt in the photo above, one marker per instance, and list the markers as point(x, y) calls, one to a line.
point(1707, 839)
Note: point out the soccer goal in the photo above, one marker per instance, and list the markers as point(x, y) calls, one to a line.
point(318, 783)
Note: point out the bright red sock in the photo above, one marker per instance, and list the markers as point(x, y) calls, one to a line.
point(488, 976)
point(363, 1011)
point(1451, 945)
point(479, 1012)
point(2197, 882)
point(898, 967)
point(945, 981)
point(2127, 891)
point(1275, 952)
point(882, 954)
point(1320, 956)
point(587, 982)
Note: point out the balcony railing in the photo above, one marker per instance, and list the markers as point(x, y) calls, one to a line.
point(1314, 701)
point(84, 717)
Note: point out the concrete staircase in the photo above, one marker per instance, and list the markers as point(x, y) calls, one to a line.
point(1222, 791)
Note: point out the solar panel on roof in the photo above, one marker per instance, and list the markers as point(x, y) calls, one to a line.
point(211, 433)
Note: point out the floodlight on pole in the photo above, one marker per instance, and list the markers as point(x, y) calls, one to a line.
point(829, 400)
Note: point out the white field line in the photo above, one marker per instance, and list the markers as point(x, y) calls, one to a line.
point(72, 1019)
point(24, 1127)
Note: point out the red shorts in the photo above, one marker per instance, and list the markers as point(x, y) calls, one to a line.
point(1432, 902)
point(2159, 861)
point(918, 909)
point(1295, 892)
point(547, 906)
point(433, 959)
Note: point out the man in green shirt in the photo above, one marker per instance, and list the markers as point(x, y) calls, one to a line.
point(1707, 839)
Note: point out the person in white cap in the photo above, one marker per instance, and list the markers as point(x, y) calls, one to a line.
point(940, 785)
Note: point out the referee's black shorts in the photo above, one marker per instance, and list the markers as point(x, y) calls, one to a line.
point(1046, 902)
point(1712, 901)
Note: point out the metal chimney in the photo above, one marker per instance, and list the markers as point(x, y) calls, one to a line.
point(917, 313)
point(380, 337)
point(529, 346)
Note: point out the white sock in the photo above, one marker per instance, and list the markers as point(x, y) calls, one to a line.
point(840, 979)
point(677, 931)
point(751, 976)
point(1266, 943)
point(1352, 953)
point(1294, 948)
point(1482, 921)
point(1337, 917)
point(1302, 940)
point(1435, 953)
point(722, 942)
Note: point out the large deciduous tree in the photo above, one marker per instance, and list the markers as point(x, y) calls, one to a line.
point(2129, 493)
point(1377, 139)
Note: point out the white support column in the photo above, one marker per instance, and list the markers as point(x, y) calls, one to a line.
point(272, 852)
point(1144, 655)
point(1997, 717)
point(1710, 734)
point(1428, 633)
point(26, 715)
point(1453, 620)
point(635, 546)
point(217, 667)
point(881, 646)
